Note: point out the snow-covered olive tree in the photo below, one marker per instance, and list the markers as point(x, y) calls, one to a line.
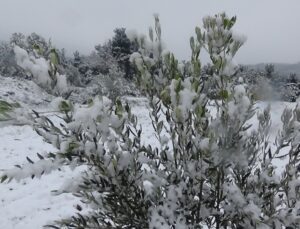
point(210, 167)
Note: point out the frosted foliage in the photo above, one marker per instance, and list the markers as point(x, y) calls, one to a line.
point(183, 99)
point(19, 116)
point(37, 66)
point(230, 68)
point(55, 103)
point(241, 103)
point(84, 116)
point(131, 34)
point(37, 169)
point(239, 37)
point(204, 144)
point(71, 185)
point(234, 195)
point(61, 84)
point(157, 221)
point(211, 143)
point(148, 186)
point(218, 34)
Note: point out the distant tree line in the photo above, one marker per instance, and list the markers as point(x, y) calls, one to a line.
point(108, 61)
point(269, 84)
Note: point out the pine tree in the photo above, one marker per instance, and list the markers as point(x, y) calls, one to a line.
point(121, 48)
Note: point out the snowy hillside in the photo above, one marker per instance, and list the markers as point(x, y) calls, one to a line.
point(28, 203)
point(23, 91)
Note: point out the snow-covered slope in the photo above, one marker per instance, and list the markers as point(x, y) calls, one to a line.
point(29, 203)
point(23, 91)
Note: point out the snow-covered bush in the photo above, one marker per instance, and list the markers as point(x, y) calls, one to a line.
point(209, 169)
point(8, 64)
point(38, 48)
point(289, 92)
point(44, 71)
point(115, 85)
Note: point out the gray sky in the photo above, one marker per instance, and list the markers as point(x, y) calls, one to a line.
point(271, 26)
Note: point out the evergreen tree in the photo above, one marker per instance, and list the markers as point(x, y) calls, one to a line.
point(269, 69)
point(121, 50)
point(292, 78)
point(76, 59)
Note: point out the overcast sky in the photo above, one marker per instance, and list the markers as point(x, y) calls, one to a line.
point(272, 27)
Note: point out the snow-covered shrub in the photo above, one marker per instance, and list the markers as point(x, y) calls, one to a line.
point(8, 64)
point(209, 169)
point(115, 85)
point(289, 92)
point(37, 47)
point(44, 71)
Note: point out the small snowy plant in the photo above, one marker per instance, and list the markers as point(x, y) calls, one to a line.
point(209, 169)
point(44, 71)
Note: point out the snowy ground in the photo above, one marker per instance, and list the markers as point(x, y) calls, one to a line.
point(29, 204)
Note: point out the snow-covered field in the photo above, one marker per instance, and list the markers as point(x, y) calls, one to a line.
point(29, 204)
